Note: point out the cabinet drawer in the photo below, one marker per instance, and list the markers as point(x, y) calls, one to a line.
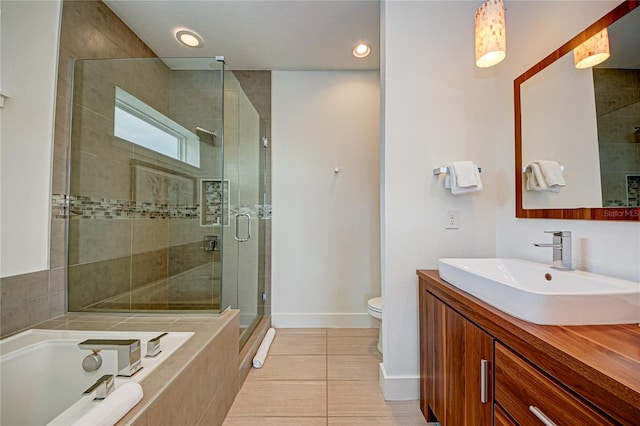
point(531, 398)
point(500, 418)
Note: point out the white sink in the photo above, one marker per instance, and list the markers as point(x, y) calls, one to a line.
point(536, 293)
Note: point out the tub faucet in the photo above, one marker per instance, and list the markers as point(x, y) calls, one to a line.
point(128, 353)
point(561, 249)
point(102, 387)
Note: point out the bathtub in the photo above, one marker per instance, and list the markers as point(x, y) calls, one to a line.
point(41, 376)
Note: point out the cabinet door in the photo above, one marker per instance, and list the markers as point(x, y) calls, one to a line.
point(458, 365)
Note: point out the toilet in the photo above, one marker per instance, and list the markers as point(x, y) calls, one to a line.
point(374, 307)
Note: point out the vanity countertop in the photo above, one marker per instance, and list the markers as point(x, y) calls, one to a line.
point(601, 362)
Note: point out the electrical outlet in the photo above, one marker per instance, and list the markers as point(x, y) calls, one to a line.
point(452, 220)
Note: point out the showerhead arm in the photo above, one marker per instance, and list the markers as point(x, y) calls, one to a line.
point(208, 132)
point(207, 136)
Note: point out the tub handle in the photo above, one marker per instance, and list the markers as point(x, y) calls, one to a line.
point(103, 387)
point(128, 353)
point(153, 346)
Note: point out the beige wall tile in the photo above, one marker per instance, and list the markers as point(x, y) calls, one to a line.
point(94, 240)
point(57, 246)
point(93, 91)
point(149, 234)
point(93, 282)
point(61, 140)
point(185, 257)
point(152, 84)
point(24, 301)
point(149, 267)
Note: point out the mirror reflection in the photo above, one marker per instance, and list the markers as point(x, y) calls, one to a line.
point(587, 120)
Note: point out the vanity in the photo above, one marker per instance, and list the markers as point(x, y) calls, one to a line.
point(481, 366)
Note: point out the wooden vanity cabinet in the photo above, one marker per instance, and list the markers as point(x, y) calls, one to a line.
point(587, 375)
point(458, 368)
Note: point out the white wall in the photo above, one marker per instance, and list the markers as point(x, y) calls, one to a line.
point(535, 29)
point(29, 48)
point(438, 108)
point(558, 120)
point(325, 244)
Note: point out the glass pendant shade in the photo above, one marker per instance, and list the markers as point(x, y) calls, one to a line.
point(593, 51)
point(491, 41)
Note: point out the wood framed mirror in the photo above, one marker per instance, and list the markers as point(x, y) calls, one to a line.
point(602, 203)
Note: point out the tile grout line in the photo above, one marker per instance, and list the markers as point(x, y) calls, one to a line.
point(326, 377)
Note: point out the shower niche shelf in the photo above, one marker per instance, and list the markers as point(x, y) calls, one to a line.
point(212, 209)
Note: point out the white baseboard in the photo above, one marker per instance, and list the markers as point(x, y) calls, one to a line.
point(329, 320)
point(399, 388)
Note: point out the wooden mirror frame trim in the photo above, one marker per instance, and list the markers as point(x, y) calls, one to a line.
point(583, 213)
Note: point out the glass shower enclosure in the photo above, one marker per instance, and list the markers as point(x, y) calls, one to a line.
point(166, 189)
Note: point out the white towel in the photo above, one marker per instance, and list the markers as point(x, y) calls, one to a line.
point(261, 355)
point(536, 178)
point(464, 177)
point(114, 407)
point(552, 172)
point(466, 173)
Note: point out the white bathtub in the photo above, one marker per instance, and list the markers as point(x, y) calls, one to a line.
point(41, 376)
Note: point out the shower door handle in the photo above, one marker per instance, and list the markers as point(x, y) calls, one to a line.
point(236, 236)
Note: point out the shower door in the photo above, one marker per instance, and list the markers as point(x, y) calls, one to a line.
point(146, 186)
point(243, 282)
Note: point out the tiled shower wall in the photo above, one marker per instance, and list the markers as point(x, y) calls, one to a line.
point(90, 30)
point(138, 257)
point(617, 93)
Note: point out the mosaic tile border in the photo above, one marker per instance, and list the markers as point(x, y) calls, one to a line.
point(77, 206)
point(633, 190)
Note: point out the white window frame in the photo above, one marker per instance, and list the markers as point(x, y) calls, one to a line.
point(188, 143)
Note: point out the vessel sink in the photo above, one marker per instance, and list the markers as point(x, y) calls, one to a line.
point(536, 293)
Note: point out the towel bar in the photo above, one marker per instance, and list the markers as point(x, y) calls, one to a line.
point(445, 170)
point(524, 169)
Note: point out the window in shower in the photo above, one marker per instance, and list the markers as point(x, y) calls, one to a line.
point(138, 123)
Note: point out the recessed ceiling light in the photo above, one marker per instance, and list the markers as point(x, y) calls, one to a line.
point(189, 38)
point(362, 50)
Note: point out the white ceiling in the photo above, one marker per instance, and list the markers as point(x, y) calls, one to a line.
point(261, 34)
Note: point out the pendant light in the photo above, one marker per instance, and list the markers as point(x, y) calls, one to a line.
point(491, 41)
point(593, 51)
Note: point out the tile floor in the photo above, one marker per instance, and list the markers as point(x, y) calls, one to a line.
point(320, 377)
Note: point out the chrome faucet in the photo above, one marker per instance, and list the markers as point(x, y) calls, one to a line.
point(102, 387)
point(561, 249)
point(129, 351)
